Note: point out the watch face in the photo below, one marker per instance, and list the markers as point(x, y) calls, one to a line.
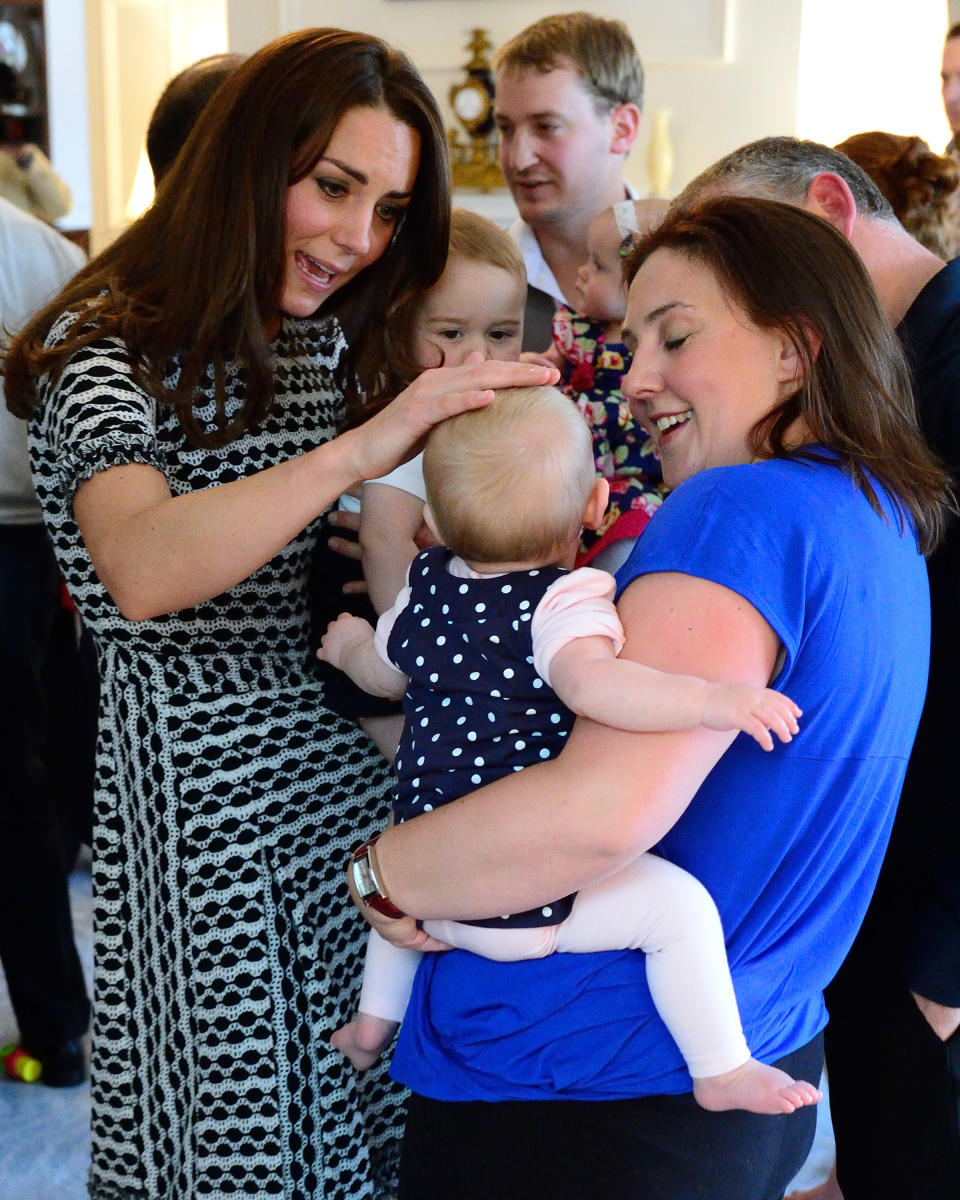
point(469, 103)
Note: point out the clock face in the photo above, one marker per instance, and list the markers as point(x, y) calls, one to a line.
point(470, 103)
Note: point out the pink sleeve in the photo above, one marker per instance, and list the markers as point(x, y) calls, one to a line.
point(577, 605)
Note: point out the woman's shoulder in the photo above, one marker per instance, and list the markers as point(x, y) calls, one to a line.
point(91, 363)
point(770, 487)
point(775, 511)
point(78, 326)
point(63, 326)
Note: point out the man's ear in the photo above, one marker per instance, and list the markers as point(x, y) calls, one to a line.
point(829, 196)
point(596, 505)
point(624, 126)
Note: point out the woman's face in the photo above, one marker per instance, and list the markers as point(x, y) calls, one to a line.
point(341, 216)
point(702, 374)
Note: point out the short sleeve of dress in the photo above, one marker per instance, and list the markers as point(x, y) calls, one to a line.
point(96, 415)
point(385, 624)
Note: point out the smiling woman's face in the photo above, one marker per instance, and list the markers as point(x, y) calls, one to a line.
point(702, 374)
point(341, 216)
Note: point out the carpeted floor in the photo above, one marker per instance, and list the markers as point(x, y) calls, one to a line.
point(44, 1132)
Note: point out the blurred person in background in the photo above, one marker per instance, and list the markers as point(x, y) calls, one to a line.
point(950, 86)
point(922, 187)
point(27, 178)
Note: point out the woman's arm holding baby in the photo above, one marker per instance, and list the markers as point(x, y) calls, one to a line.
point(553, 828)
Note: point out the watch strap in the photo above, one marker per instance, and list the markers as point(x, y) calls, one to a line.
point(363, 868)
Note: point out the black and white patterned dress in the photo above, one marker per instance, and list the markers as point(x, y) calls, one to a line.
point(228, 798)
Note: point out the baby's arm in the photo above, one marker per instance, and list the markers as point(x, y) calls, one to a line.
point(348, 645)
point(592, 681)
point(390, 519)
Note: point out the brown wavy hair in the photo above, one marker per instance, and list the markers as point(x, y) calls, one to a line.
point(920, 185)
point(195, 275)
point(792, 272)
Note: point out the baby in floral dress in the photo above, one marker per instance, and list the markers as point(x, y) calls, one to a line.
point(592, 358)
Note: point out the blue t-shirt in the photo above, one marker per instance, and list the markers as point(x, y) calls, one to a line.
point(788, 843)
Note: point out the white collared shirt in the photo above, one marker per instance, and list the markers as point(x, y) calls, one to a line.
point(539, 274)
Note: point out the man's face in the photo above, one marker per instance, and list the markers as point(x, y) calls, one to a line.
point(555, 148)
point(950, 81)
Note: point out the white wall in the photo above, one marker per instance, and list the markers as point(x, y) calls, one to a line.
point(65, 34)
point(729, 70)
point(726, 68)
point(253, 23)
point(872, 64)
point(133, 49)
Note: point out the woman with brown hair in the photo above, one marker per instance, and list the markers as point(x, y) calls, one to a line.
point(789, 550)
point(922, 187)
point(185, 392)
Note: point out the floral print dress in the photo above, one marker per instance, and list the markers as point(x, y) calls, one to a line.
point(593, 368)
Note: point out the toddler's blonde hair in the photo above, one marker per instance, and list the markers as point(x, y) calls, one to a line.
point(510, 482)
point(478, 239)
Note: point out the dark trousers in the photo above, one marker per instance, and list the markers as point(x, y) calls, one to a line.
point(654, 1148)
point(894, 1086)
point(37, 949)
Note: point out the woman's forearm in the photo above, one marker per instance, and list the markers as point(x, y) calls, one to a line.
point(156, 553)
point(548, 830)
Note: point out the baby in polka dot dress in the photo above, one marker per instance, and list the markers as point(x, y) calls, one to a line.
point(494, 644)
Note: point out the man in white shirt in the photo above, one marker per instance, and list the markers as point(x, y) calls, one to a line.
point(569, 95)
point(37, 949)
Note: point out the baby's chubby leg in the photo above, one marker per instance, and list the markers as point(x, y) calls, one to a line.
point(387, 981)
point(500, 945)
point(654, 906)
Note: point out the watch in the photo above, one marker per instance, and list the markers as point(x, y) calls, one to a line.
point(367, 883)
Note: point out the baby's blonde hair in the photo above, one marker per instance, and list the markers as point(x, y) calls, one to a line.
point(510, 482)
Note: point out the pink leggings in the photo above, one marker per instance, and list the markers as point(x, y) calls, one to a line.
point(649, 905)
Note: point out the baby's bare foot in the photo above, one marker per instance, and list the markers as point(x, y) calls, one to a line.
point(754, 1087)
point(363, 1040)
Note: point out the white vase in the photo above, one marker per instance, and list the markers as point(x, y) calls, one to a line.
point(660, 153)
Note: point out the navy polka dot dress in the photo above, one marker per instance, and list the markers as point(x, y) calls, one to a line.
point(475, 706)
point(229, 796)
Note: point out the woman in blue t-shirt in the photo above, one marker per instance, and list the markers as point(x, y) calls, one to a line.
point(790, 550)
